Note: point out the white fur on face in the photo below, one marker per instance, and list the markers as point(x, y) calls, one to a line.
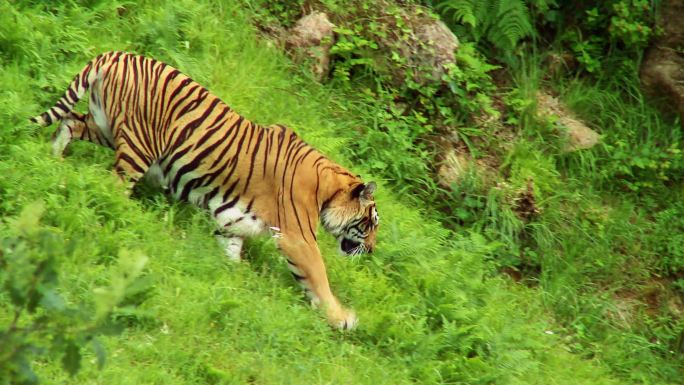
point(334, 220)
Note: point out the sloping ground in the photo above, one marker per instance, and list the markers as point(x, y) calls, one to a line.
point(431, 309)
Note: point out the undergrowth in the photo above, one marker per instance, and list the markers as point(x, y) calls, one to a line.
point(586, 227)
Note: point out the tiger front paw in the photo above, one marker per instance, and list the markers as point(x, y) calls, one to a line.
point(343, 319)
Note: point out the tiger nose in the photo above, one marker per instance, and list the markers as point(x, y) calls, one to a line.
point(370, 249)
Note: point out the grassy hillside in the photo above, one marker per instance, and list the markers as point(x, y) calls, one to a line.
point(432, 307)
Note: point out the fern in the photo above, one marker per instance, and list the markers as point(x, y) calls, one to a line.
point(502, 23)
point(462, 11)
point(512, 23)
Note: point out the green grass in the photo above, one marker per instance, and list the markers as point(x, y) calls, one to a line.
point(599, 250)
point(432, 307)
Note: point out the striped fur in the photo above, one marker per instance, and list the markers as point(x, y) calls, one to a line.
point(251, 178)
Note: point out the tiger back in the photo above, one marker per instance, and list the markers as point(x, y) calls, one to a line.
point(250, 178)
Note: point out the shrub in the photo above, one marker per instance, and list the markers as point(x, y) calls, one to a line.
point(41, 320)
point(606, 34)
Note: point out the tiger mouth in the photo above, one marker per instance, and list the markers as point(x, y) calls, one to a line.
point(349, 246)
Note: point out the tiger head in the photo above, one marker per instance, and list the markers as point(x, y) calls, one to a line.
point(352, 218)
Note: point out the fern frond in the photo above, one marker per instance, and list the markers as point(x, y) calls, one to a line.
point(502, 22)
point(512, 24)
point(462, 11)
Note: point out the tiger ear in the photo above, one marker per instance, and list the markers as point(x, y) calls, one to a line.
point(367, 192)
point(364, 192)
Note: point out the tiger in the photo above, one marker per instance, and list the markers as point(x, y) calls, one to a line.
point(252, 179)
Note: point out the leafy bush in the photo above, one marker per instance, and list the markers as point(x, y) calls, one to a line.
point(640, 150)
point(668, 242)
point(273, 15)
point(41, 320)
point(373, 55)
point(606, 33)
point(396, 142)
point(409, 106)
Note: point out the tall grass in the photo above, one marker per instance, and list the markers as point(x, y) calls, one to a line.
point(596, 249)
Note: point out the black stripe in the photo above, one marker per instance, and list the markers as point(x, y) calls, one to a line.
point(297, 277)
point(210, 196)
point(281, 136)
point(268, 148)
point(181, 100)
point(117, 55)
point(239, 144)
point(311, 229)
point(124, 157)
point(172, 75)
point(250, 126)
point(124, 80)
point(244, 135)
point(218, 122)
point(230, 144)
point(185, 194)
point(307, 154)
point(287, 165)
point(154, 110)
point(184, 83)
point(60, 104)
point(226, 206)
point(194, 104)
point(292, 202)
point(84, 74)
point(185, 131)
point(318, 183)
point(229, 191)
point(196, 161)
point(177, 155)
point(134, 71)
point(134, 146)
point(320, 158)
point(327, 201)
point(202, 118)
point(210, 177)
point(72, 95)
point(232, 162)
point(143, 108)
point(138, 127)
point(251, 163)
point(162, 108)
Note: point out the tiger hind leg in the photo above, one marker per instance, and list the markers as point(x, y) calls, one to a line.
point(76, 126)
point(232, 245)
point(129, 165)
